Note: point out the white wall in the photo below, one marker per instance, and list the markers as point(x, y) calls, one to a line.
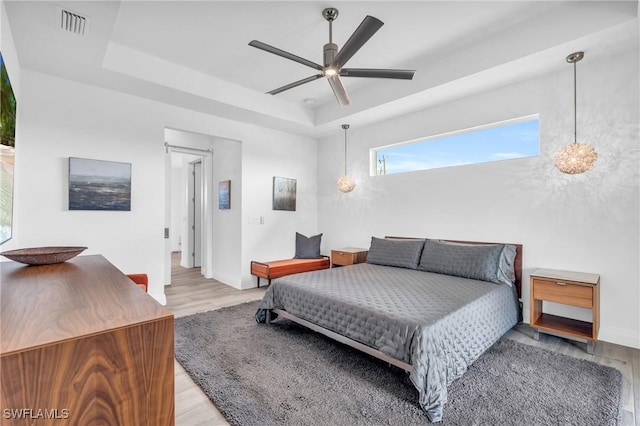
point(227, 223)
point(265, 154)
point(587, 222)
point(59, 118)
point(177, 214)
point(263, 158)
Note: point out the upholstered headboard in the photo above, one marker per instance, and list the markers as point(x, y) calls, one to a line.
point(517, 261)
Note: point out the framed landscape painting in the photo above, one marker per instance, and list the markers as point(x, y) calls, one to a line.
point(99, 185)
point(284, 194)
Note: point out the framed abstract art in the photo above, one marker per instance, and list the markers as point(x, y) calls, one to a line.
point(284, 194)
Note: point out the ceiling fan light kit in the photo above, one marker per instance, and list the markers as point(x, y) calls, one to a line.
point(334, 59)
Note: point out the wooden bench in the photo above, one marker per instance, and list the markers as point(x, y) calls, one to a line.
point(280, 268)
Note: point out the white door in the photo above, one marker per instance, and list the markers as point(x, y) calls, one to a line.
point(197, 214)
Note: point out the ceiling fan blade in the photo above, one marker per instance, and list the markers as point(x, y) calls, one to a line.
point(280, 52)
point(377, 73)
point(364, 32)
point(338, 89)
point(295, 84)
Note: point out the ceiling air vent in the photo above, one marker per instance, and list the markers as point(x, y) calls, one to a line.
point(72, 22)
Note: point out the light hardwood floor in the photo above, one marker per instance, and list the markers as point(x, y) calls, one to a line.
point(190, 293)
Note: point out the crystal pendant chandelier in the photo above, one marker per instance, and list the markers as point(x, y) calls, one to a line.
point(577, 157)
point(346, 183)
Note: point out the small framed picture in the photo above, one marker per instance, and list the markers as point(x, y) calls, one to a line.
point(224, 195)
point(284, 194)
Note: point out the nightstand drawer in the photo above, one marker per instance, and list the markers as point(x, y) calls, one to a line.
point(348, 256)
point(563, 292)
point(342, 258)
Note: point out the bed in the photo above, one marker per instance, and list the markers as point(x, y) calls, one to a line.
point(430, 307)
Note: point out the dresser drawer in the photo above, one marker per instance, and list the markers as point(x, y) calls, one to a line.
point(563, 292)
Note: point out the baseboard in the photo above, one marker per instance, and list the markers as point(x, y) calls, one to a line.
point(226, 279)
point(160, 297)
point(620, 336)
point(251, 283)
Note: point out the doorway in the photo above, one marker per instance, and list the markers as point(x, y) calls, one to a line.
point(188, 201)
point(205, 234)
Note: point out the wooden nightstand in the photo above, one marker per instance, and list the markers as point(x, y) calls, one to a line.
point(348, 256)
point(568, 288)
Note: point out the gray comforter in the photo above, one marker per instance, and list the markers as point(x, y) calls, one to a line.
point(437, 323)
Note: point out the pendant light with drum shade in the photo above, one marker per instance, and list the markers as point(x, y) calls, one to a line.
point(345, 183)
point(577, 157)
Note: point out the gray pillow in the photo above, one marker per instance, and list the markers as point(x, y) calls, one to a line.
point(492, 263)
point(400, 253)
point(507, 266)
point(308, 247)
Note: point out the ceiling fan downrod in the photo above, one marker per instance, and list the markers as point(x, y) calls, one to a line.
point(330, 49)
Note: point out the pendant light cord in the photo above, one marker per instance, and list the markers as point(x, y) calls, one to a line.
point(345, 151)
point(574, 58)
point(345, 127)
point(575, 105)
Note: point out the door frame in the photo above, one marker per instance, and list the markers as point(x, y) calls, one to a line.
point(206, 157)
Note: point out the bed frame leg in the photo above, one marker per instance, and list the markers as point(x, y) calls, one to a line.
point(268, 317)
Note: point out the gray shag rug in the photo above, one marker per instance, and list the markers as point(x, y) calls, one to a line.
point(284, 374)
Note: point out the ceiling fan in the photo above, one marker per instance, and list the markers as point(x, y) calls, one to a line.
point(334, 60)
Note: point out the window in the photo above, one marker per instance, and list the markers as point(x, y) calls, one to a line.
point(518, 138)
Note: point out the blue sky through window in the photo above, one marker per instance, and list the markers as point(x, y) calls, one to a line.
point(502, 142)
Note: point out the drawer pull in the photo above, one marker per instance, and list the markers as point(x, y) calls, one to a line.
point(560, 283)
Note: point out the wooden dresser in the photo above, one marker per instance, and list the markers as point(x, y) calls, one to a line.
point(80, 344)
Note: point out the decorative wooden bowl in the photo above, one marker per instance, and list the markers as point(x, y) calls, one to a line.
point(43, 255)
